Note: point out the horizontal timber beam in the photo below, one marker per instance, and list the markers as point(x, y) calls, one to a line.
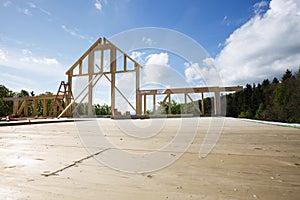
point(191, 90)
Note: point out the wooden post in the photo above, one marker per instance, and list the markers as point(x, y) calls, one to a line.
point(91, 63)
point(217, 103)
point(15, 106)
point(69, 97)
point(113, 66)
point(169, 104)
point(138, 97)
point(185, 103)
point(45, 107)
point(25, 108)
point(202, 103)
point(154, 103)
point(145, 104)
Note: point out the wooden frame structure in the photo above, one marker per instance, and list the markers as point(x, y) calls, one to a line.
point(96, 69)
point(186, 91)
point(20, 104)
point(100, 60)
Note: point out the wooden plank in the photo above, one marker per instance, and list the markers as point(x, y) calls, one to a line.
point(202, 103)
point(154, 103)
point(113, 66)
point(21, 107)
point(91, 71)
point(138, 97)
point(194, 90)
point(30, 98)
point(145, 104)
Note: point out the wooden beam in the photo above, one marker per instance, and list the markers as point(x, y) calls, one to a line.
point(138, 96)
point(98, 42)
point(15, 105)
point(25, 108)
point(154, 103)
point(145, 104)
point(202, 103)
point(21, 107)
point(185, 104)
point(169, 104)
point(113, 66)
point(217, 103)
point(91, 71)
point(193, 90)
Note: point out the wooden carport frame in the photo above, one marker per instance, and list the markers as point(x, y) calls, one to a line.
point(186, 91)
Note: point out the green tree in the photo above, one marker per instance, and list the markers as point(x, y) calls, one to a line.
point(6, 107)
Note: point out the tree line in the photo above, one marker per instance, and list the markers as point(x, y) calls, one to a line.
point(272, 101)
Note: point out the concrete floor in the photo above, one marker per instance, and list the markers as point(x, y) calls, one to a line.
point(250, 161)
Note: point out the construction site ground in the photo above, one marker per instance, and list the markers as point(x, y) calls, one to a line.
point(250, 161)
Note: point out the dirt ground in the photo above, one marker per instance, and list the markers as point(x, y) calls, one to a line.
point(250, 161)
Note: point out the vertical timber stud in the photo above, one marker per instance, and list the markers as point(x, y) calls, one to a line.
point(154, 102)
point(202, 103)
point(15, 106)
point(217, 103)
point(169, 104)
point(91, 63)
point(69, 97)
point(185, 103)
point(138, 98)
point(26, 108)
point(145, 104)
point(45, 107)
point(113, 66)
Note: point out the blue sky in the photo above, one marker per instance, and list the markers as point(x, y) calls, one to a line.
point(40, 39)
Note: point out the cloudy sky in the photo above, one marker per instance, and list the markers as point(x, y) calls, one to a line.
point(248, 40)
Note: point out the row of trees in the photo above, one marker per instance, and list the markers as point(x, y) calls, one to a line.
point(274, 101)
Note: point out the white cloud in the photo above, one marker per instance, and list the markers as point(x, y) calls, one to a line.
point(2, 56)
point(98, 5)
point(147, 41)
point(263, 47)
point(259, 7)
point(202, 75)
point(226, 21)
point(75, 33)
point(43, 60)
point(6, 4)
point(137, 56)
point(25, 11)
point(16, 83)
point(191, 73)
point(157, 73)
point(45, 11)
point(31, 5)
point(26, 52)
point(23, 69)
point(158, 59)
point(26, 60)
